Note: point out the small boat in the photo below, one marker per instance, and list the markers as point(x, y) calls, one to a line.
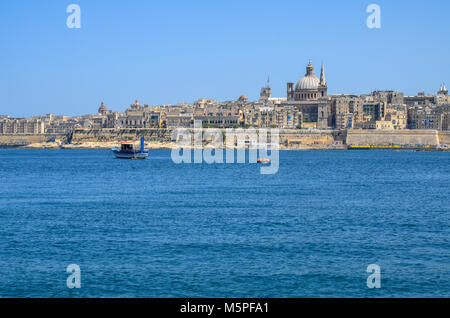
point(130, 150)
point(263, 160)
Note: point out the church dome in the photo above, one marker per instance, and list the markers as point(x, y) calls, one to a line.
point(242, 98)
point(102, 108)
point(308, 82)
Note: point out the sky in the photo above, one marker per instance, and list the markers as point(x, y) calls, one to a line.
point(172, 51)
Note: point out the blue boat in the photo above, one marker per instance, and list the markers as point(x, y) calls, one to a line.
point(130, 150)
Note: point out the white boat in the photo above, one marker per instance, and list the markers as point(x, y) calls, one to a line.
point(130, 150)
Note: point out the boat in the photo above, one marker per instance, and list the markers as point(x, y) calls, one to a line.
point(263, 160)
point(130, 150)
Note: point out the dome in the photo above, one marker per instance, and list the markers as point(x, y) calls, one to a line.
point(102, 108)
point(308, 82)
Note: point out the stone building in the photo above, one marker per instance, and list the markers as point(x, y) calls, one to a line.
point(266, 92)
point(389, 97)
point(343, 108)
point(310, 98)
point(289, 117)
point(218, 121)
point(427, 117)
point(138, 116)
point(272, 116)
point(177, 117)
point(309, 87)
point(395, 118)
point(442, 97)
point(22, 126)
point(106, 118)
point(420, 100)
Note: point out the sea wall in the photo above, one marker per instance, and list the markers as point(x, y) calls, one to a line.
point(291, 138)
point(318, 137)
point(10, 140)
point(116, 135)
point(444, 137)
point(397, 137)
point(165, 135)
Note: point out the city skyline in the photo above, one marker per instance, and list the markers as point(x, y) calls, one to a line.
point(160, 56)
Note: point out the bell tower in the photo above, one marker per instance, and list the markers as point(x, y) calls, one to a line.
point(290, 91)
point(266, 92)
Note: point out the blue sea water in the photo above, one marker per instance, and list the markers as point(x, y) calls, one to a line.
point(152, 228)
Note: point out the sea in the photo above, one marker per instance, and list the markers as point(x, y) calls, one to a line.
point(153, 228)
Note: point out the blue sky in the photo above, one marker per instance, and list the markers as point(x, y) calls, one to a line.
point(170, 51)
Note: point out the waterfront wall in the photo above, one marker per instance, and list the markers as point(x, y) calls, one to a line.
point(444, 137)
point(116, 135)
point(318, 137)
point(165, 135)
point(397, 137)
point(11, 140)
point(288, 137)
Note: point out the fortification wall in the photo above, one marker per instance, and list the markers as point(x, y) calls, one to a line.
point(444, 137)
point(397, 137)
point(352, 137)
point(325, 137)
point(116, 135)
point(165, 135)
point(10, 140)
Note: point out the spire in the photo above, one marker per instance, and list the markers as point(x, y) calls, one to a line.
point(323, 81)
point(443, 90)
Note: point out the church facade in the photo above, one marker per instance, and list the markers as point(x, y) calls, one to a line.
point(310, 96)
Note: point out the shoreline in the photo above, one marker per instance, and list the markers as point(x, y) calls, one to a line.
point(170, 146)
